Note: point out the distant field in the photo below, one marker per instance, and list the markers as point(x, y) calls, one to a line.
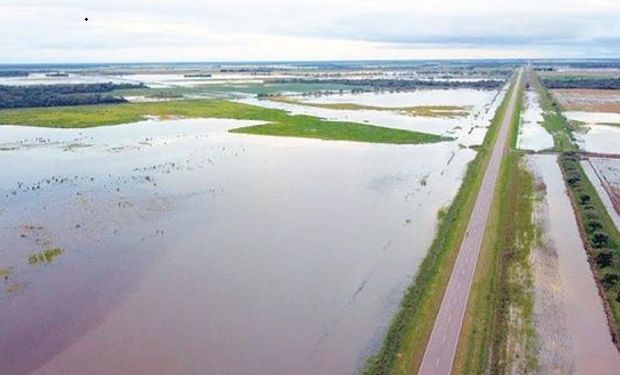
point(278, 122)
point(588, 100)
point(228, 89)
point(446, 111)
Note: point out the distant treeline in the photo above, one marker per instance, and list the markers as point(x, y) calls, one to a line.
point(60, 95)
point(583, 83)
point(13, 73)
point(399, 84)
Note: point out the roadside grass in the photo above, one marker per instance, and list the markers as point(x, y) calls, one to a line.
point(498, 334)
point(405, 341)
point(278, 122)
point(445, 111)
point(554, 122)
point(598, 231)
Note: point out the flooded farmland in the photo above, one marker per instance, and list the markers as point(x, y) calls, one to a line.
point(570, 318)
point(469, 130)
point(177, 246)
point(605, 176)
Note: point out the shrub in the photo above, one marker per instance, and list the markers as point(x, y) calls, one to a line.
point(610, 280)
point(604, 259)
point(599, 239)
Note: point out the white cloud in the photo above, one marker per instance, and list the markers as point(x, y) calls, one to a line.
point(208, 30)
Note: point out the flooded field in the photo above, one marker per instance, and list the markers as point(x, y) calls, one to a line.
point(532, 136)
point(469, 130)
point(593, 118)
point(570, 319)
point(599, 138)
point(175, 246)
point(588, 100)
point(605, 176)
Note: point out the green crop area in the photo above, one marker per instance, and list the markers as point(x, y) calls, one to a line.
point(498, 334)
point(446, 111)
point(405, 341)
point(277, 122)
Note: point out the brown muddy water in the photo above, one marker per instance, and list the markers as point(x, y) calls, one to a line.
point(176, 247)
point(575, 321)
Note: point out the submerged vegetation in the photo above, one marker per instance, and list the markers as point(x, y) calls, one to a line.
point(278, 122)
point(405, 340)
point(45, 257)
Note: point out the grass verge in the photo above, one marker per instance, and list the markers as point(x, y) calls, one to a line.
point(405, 341)
point(278, 122)
point(498, 334)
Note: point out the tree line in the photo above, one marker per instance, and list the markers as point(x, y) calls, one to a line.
point(582, 83)
point(61, 95)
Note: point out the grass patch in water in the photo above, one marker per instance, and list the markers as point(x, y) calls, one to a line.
point(278, 122)
point(45, 257)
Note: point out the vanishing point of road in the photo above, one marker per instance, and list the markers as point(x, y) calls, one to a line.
point(441, 348)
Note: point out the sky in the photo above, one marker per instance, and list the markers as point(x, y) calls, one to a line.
point(38, 31)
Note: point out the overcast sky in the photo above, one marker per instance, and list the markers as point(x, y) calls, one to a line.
point(232, 30)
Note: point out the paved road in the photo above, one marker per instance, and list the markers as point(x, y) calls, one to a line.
point(441, 347)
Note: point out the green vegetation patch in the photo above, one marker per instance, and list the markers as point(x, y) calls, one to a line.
point(278, 122)
point(5, 272)
point(44, 257)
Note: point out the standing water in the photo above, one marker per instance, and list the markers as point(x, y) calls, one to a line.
point(177, 247)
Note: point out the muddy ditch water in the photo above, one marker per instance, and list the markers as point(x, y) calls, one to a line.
point(569, 316)
point(176, 247)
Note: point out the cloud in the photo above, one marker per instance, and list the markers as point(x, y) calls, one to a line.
point(139, 30)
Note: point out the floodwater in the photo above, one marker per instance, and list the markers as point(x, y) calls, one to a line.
point(470, 130)
point(532, 136)
point(603, 172)
point(593, 352)
point(599, 138)
point(593, 117)
point(176, 247)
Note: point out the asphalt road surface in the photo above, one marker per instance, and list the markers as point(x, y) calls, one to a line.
point(441, 348)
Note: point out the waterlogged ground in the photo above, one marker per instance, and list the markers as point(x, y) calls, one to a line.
point(469, 130)
point(532, 135)
point(176, 247)
point(605, 176)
